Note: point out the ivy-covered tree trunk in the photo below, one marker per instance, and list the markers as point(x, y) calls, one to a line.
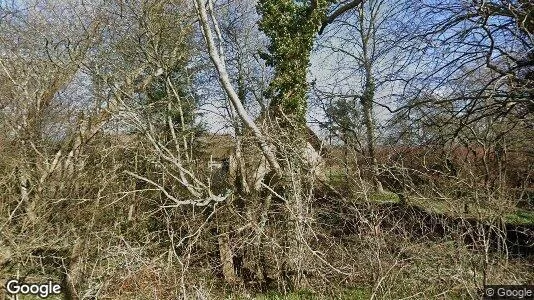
point(367, 105)
point(292, 27)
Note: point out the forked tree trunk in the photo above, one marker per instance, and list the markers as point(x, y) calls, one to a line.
point(290, 53)
point(217, 57)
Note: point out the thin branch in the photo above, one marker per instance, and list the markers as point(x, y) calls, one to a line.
point(338, 12)
point(224, 78)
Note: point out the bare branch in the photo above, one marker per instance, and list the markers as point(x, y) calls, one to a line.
point(338, 12)
point(224, 78)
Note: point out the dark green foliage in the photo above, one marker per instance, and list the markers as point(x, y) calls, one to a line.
point(163, 103)
point(291, 27)
point(344, 119)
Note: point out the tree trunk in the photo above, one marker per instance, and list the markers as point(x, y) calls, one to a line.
point(217, 58)
point(227, 258)
point(297, 237)
point(73, 272)
point(24, 183)
point(367, 105)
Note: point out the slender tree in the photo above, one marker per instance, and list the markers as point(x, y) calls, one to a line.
point(377, 57)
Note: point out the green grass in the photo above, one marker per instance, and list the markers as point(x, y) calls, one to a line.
point(301, 295)
point(336, 178)
point(355, 294)
point(480, 212)
point(386, 197)
point(521, 217)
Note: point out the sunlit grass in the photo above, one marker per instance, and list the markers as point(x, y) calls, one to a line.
point(521, 217)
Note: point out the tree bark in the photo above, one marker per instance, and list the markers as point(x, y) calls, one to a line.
point(227, 258)
point(73, 272)
point(367, 105)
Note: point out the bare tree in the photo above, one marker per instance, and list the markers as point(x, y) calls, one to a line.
point(375, 61)
point(475, 36)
